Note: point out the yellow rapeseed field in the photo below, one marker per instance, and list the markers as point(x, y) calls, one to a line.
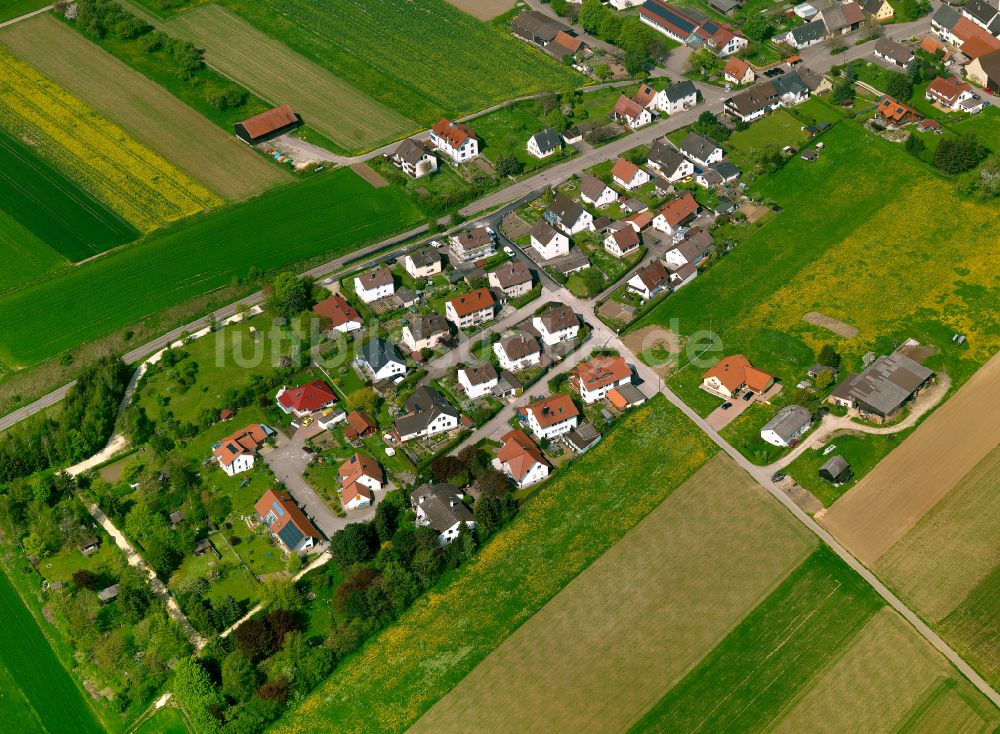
point(135, 182)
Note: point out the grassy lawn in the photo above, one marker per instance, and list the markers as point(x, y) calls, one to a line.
point(983, 125)
point(744, 432)
point(777, 649)
point(567, 525)
point(62, 565)
point(779, 129)
point(507, 131)
point(233, 578)
point(167, 720)
point(256, 548)
point(862, 451)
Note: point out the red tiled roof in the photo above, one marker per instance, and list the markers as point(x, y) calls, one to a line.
point(735, 371)
point(677, 210)
point(624, 170)
point(520, 454)
point(890, 109)
point(291, 513)
point(269, 121)
point(452, 132)
point(932, 46)
point(360, 423)
point(353, 489)
point(244, 441)
point(947, 89)
point(640, 219)
point(359, 466)
point(553, 409)
point(626, 238)
point(570, 43)
point(309, 397)
point(644, 96)
point(471, 302)
point(602, 371)
point(653, 275)
point(626, 107)
point(337, 310)
point(736, 68)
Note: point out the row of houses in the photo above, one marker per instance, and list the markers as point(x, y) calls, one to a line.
point(693, 28)
point(786, 90)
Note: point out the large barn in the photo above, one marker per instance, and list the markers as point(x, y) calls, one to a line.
point(267, 124)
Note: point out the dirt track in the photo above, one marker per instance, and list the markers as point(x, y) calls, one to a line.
point(916, 476)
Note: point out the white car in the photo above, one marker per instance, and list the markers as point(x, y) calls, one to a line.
point(437, 243)
point(509, 250)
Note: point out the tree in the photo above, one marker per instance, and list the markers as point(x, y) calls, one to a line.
point(985, 184)
point(292, 295)
point(828, 356)
point(353, 544)
point(710, 125)
point(899, 86)
point(957, 155)
point(592, 12)
point(254, 638)
point(824, 379)
point(914, 144)
point(239, 677)
point(195, 692)
point(84, 579)
point(363, 399)
point(507, 164)
point(843, 90)
point(756, 26)
point(704, 62)
point(276, 689)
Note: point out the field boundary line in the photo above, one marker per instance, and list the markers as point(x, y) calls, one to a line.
point(32, 14)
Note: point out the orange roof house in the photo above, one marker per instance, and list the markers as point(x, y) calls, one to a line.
point(894, 113)
point(734, 373)
point(237, 451)
point(738, 71)
point(305, 399)
point(932, 47)
point(341, 314)
point(521, 459)
point(675, 212)
point(599, 375)
point(360, 475)
point(552, 416)
point(278, 511)
point(453, 133)
point(359, 425)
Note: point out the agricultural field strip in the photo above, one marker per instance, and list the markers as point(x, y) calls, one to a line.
point(973, 628)
point(274, 72)
point(151, 114)
point(131, 179)
point(26, 257)
point(710, 552)
point(904, 486)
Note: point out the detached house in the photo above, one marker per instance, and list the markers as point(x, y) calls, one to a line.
point(952, 94)
point(668, 162)
point(422, 264)
point(360, 475)
point(596, 378)
point(556, 324)
point(623, 241)
point(649, 280)
point(413, 159)
point(738, 71)
point(473, 244)
point(880, 10)
point(340, 314)
point(518, 352)
point(374, 285)
point(694, 248)
point(552, 416)
point(568, 215)
point(633, 114)
point(548, 242)
point(236, 452)
point(597, 193)
point(894, 114)
point(676, 213)
point(454, 140)
point(478, 380)
point(440, 506)
point(428, 414)
point(783, 91)
point(521, 459)
point(677, 97)
point(382, 360)
point(787, 426)
point(513, 279)
point(305, 399)
point(469, 309)
point(628, 175)
point(692, 28)
point(808, 34)
point(279, 514)
point(425, 331)
point(701, 149)
point(547, 142)
point(895, 53)
point(733, 374)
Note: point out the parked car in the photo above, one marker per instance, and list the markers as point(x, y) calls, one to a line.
point(508, 250)
point(748, 395)
point(778, 476)
point(776, 71)
point(726, 406)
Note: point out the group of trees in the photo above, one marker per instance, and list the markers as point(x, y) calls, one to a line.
point(641, 46)
point(984, 183)
point(83, 425)
point(710, 125)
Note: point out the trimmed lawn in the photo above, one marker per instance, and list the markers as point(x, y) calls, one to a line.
point(507, 131)
point(68, 561)
point(779, 129)
point(234, 579)
point(167, 720)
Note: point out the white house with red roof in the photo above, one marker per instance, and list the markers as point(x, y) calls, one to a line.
point(340, 314)
point(521, 459)
point(953, 94)
point(734, 373)
point(552, 416)
point(236, 452)
point(454, 140)
point(305, 399)
point(469, 309)
point(738, 71)
point(631, 113)
point(695, 30)
point(360, 476)
point(649, 280)
point(597, 377)
point(676, 213)
point(628, 175)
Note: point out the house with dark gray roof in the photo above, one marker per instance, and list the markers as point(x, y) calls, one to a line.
point(425, 331)
point(836, 470)
point(544, 143)
point(807, 34)
point(568, 215)
point(428, 414)
point(665, 160)
point(983, 13)
point(382, 360)
point(701, 149)
point(786, 426)
point(594, 191)
point(440, 506)
point(677, 97)
point(413, 158)
point(881, 390)
point(894, 53)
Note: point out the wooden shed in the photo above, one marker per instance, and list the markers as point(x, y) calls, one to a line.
point(266, 125)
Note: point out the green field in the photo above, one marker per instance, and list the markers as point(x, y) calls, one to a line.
point(425, 59)
point(331, 214)
point(862, 451)
point(772, 655)
point(27, 256)
point(573, 520)
point(47, 689)
point(167, 720)
point(972, 627)
point(55, 209)
point(779, 129)
point(13, 8)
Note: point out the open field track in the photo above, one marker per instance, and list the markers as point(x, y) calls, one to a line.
point(886, 675)
point(566, 526)
point(895, 495)
point(710, 552)
point(972, 626)
point(274, 72)
point(101, 157)
point(147, 111)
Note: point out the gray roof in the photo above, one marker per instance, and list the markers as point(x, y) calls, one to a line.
point(424, 326)
point(543, 231)
point(424, 406)
point(410, 151)
point(808, 32)
point(790, 83)
point(835, 466)
point(946, 16)
point(696, 145)
point(548, 139)
point(696, 245)
point(810, 78)
point(378, 353)
point(592, 187)
point(725, 205)
point(982, 11)
point(480, 373)
point(566, 210)
point(537, 25)
point(885, 384)
point(442, 504)
point(665, 156)
point(109, 593)
point(632, 394)
point(788, 421)
point(423, 258)
point(557, 318)
point(724, 6)
point(711, 177)
point(511, 273)
point(680, 90)
point(583, 436)
point(895, 51)
point(727, 169)
point(507, 383)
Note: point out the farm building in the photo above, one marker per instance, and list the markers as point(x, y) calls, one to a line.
point(836, 470)
point(266, 125)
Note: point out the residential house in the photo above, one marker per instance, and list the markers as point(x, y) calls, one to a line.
point(90, 545)
point(305, 399)
point(677, 97)
point(513, 278)
point(633, 114)
point(628, 175)
point(422, 263)
point(537, 28)
point(930, 126)
point(374, 285)
point(564, 45)
point(360, 476)
point(556, 324)
point(984, 13)
point(626, 396)
point(646, 96)
point(478, 380)
point(597, 193)
point(649, 280)
point(881, 390)
point(237, 451)
point(841, 18)
point(640, 220)
point(935, 48)
point(807, 34)
point(695, 247)
point(413, 159)
point(440, 506)
point(735, 373)
point(518, 352)
point(985, 71)
point(682, 276)
point(455, 140)
point(428, 413)
point(895, 114)
point(473, 244)
point(667, 161)
point(382, 360)
point(718, 174)
point(692, 28)
point(880, 10)
point(787, 426)
point(598, 376)
point(508, 386)
point(425, 331)
point(675, 213)
point(582, 438)
point(568, 215)
point(783, 91)
point(359, 425)
point(340, 314)
point(701, 149)
point(738, 71)
point(329, 417)
point(279, 514)
point(547, 241)
point(545, 143)
point(952, 94)
point(552, 416)
point(521, 459)
point(622, 242)
point(894, 53)
point(944, 19)
point(836, 470)
point(469, 309)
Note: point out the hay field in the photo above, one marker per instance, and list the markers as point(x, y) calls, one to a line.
point(148, 112)
point(972, 627)
point(895, 495)
point(624, 631)
point(483, 9)
point(274, 72)
point(884, 678)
